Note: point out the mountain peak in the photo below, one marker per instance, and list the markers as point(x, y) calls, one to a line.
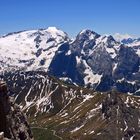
point(53, 29)
point(56, 32)
point(88, 34)
point(87, 31)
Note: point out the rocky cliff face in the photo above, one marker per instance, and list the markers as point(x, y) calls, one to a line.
point(13, 122)
point(98, 62)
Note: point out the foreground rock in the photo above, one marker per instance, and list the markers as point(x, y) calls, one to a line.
point(13, 123)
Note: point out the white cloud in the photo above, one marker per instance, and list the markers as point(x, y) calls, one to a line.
point(120, 37)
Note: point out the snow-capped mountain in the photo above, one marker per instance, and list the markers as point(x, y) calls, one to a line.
point(30, 50)
point(127, 39)
point(91, 60)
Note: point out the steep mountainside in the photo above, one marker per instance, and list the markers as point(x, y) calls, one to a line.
point(110, 116)
point(57, 110)
point(13, 122)
point(90, 60)
point(38, 93)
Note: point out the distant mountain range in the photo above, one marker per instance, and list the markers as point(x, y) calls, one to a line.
point(90, 60)
point(127, 40)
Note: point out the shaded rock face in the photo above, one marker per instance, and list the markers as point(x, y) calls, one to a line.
point(4, 108)
point(65, 65)
point(100, 61)
point(13, 122)
point(128, 63)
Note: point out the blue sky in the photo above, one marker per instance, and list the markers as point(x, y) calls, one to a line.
point(102, 16)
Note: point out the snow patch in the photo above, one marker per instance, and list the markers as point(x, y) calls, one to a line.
point(126, 126)
point(132, 137)
point(77, 128)
point(78, 60)
point(93, 111)
point(87, 97)
point(69, 52)
point(90, 77)
point(99, 134)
